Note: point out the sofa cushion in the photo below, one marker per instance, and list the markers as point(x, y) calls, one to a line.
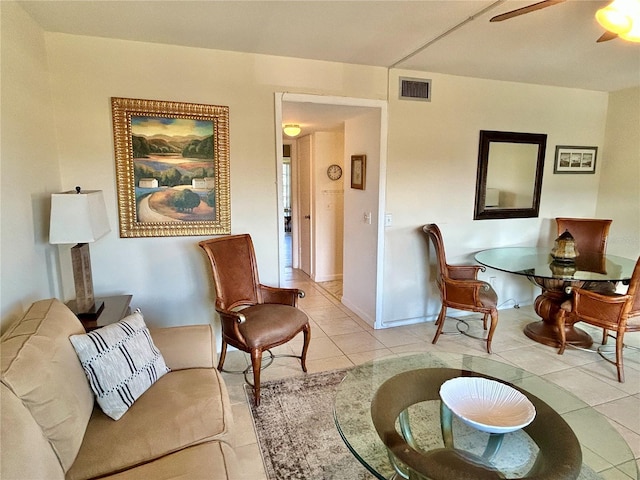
point(183, 408)
point(121, 363)
point(41, 368)
point(26, 453)
point(207, 461)
point(186, 346)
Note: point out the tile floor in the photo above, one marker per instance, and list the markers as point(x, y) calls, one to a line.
point(341, 339)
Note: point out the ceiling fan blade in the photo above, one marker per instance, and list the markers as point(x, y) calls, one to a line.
point(523, 10)
point(606, 36)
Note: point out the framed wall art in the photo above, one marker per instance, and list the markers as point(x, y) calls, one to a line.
point(358, 171)
point(575, 159)
point(172, 168)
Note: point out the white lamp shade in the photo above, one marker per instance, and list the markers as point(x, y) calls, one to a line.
point(78, 217)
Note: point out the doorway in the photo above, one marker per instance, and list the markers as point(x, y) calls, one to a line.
point(363, 239)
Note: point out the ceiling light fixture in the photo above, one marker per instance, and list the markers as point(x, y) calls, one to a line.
point(292, 129)
point(621, 17)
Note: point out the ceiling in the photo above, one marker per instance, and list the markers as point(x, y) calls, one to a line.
point(554, 46)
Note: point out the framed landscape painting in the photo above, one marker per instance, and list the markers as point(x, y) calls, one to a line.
point(172, 168)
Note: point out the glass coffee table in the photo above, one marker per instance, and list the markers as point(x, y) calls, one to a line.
point(602, 448)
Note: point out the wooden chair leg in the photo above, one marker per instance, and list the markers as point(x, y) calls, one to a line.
point(223, 355)
point(440, 322)
point(492, 328)
point(605, 336)
point(619, 347)
point(560, 317)
point(256, 365)
point(484, 320)
point(307, 338)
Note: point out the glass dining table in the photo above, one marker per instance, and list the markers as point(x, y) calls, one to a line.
point(582, 440)
point(556, 279)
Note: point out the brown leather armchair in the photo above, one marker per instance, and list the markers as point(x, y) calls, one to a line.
point(616, 312)
point(461, 289)
point(254, 317)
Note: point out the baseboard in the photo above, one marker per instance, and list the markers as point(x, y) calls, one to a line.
point(371, 321)
point(328, 278)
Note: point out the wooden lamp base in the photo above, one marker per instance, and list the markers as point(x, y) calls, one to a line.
point(84, 306)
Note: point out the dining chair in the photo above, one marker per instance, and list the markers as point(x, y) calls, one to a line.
point(254, 317)
point(460, 288)
point(619, 313)
point(590, 234)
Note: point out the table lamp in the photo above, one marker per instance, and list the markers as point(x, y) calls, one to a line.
point(80, 217)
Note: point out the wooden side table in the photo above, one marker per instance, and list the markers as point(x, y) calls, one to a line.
point(115, 309)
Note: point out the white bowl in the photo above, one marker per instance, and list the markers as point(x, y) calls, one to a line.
point(487, 405)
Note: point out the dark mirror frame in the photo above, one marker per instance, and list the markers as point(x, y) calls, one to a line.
point(488, 136)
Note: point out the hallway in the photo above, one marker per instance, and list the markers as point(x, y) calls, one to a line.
point(333, 287)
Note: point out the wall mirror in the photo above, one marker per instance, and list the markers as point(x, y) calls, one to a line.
point(509, 179)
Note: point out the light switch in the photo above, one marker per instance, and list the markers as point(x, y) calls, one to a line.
point(388, 219)
point(367, 218)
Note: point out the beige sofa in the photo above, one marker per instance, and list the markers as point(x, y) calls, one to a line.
point(180, 428)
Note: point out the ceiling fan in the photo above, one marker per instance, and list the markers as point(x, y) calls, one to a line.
point(625, 24)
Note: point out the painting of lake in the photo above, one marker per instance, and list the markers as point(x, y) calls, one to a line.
point(174, 169)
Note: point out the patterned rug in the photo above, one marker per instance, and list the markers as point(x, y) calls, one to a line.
point(297, 435)
point(298, 438)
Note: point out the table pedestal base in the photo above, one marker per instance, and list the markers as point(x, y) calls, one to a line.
point(547, 305)
point(546, 334)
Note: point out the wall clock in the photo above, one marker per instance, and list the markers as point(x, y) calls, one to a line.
point(334, 172)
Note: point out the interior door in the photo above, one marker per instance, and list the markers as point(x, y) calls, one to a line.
point(305, 221)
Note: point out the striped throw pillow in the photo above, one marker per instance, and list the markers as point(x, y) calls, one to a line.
point(121, 363)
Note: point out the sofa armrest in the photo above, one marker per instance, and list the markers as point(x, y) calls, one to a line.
point(189, 346)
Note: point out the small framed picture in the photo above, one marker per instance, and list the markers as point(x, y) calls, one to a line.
point(575, 159)
point(358, 171)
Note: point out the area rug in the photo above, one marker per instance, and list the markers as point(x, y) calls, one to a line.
point(298, 438)
point(296, 432)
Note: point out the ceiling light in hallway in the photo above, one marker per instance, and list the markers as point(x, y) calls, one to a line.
point(292, 129)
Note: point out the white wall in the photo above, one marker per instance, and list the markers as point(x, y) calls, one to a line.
point(168, 277)
point(328, 149)
point(619, 164)
point(362, 136)
point(431, 176)
point(29, 166)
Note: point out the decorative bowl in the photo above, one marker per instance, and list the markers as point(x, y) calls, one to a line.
point(487, 405)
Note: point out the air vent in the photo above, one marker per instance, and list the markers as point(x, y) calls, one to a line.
point(415, 89)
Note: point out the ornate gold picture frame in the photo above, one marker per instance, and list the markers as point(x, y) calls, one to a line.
point(172, 168)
